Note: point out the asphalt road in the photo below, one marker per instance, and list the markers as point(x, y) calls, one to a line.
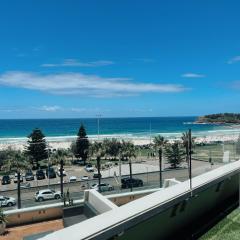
point(150, 180)
point(76, 189)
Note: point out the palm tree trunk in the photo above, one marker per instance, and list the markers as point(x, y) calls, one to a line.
point(99, 173)
point(160, 166)
point(120, 171)
point(18, 191)
point(130, 169)
point(61, 176)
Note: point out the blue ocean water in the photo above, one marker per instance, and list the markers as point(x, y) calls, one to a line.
point(136, 127)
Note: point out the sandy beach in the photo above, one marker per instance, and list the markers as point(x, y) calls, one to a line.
point(65, 142)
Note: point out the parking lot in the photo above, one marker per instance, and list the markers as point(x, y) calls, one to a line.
point(76, 189)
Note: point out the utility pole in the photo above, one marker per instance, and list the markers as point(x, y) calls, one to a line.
point(150, 131)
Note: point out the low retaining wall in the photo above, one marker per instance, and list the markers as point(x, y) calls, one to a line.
point(33, 214)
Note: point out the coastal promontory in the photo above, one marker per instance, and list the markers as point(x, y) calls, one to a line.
point(220, 118)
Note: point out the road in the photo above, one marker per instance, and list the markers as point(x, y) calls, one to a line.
point(150, 180)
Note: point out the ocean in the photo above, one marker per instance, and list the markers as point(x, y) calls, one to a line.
point(141, 127)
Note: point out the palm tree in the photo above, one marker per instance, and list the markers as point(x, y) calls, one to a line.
point(17, 163)
point(188, 143)
point(159, 143)
point(98, 150)
point(127, 152)
point(185, 141)
point(60, 156)
point(112, 147)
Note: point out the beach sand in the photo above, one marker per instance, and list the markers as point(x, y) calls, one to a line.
point(65, 143)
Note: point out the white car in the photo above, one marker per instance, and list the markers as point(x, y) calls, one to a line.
point(72, 179)
point(59, 174)
point(89, 168)
point(47, 194)
point(85, 178)
point(103, 187)
point(15, 180)
point(7, 201)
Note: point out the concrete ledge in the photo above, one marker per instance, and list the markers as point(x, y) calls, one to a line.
point(172, 205)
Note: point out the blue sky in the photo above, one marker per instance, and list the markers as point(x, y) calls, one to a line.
point(69, 58)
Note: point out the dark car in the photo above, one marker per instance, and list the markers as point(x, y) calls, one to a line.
point(96, 175)
point(134, 182)
point(50, 173)
point(29, 176)
point(6, 180)
point(40, 174)
point(78, 162)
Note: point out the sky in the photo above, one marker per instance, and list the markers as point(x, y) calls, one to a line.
point(121, 58)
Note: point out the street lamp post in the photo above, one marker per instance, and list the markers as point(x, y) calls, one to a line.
point(98, 128)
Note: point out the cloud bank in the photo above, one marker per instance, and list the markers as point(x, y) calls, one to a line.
point(82, 84)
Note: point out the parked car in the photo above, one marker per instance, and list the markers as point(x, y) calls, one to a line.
point(134, 182)
point(40, 174)
point(25, 185)
point(6, 180)
point(89, 167)
point(7, 201)
point(78, 162)
point(72, 179)
point(50, 173)
point(85, 178)
point(15, 180)
point(29, 176)
point(103, 187)
point(59, 174)
point(47, 194)
point(95, 175)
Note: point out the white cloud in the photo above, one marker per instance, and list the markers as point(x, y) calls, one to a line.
point(234, 60)
point(49, 108)
point(82, 84)
point(192, 75)
point(76, 63)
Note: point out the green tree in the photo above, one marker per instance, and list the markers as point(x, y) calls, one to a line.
point(17, 163)
point(127, 150)
point(174, 154)
point(3, 221)
point(159, 143)
point(112, 147)
point(5, 155)
point(81, 148)
point(36, 148)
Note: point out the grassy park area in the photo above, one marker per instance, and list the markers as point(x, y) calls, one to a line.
point(227, 229)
